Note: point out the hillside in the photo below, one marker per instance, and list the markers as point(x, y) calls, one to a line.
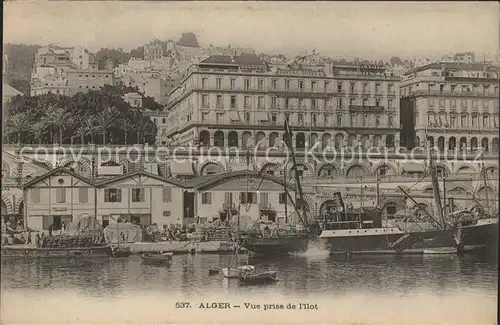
point(21, 59)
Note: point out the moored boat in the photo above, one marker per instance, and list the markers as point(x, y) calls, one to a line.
point(258, 278)
point(156, 259)
point(235, 272)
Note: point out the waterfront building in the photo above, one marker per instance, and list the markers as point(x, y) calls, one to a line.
point(454, 106)
point(241, 102)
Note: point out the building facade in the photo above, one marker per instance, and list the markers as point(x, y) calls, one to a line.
point(241, 102)
point(454, 106)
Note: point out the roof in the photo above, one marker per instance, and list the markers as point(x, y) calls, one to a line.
point(9, 91)
point(141, 173)
point(244, 59)
point(202, 183)
point(57, 171)
point(457, 66)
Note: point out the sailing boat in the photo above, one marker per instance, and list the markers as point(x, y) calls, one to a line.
point(352, 233)
point(281, 243)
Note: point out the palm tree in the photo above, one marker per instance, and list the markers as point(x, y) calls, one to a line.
point(38, 129)
point(104, 121)
point(139, 123)
point(126, 126)
point(57, 117)
point(18, 123)
point(88, 126)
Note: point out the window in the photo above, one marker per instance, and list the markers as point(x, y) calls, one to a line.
point(35, 195)
point(391, 120)
point(137, 195)
point(301, 85)
point(365, 87)
point(274, 83)
point(313, 85)
point(474, 121)
point(204, 83)
point(464, 104)
point(166, 214)
point(431, 102)
point(452, 88)
point(365, 120)
point(264, 201)
point(206, 198)
point(486, 121)
point(453, 121)
point(219, 101)
point(260, 84)
point(204, 117)
point(389, 103)
point(283, 198)
point(247, 84)
point(247, 117)
point(273, 102)
point(260, 102)
point(339, 120)
point(377, 88)
point(313, 103)
point(340, 103)
point(474, 104)
point(453, 103)
point(273, 117)
point(327, 86)
point(286, 103)
point(351, 101)
point(313, 119)
point(220, 118)
point(287, 84)
point(112, 195)
point(390, 88)
point(463, 120)
point(429, 120)
point(219, 83)
point(441, 103)
point(339, 87)
point(300, 118)
point(247, 102)
point(377, 102)
point(377, 120)
point(486, 104)
point(233, 101)
point(204, 100)
point(248, 197)
point(83, 195)
point(233, 84)
point(61, 195)
point(300, 102)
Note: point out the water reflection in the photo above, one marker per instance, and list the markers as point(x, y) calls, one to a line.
point(298, 275)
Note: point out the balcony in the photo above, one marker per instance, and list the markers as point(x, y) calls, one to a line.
point(266, 207)
point(455, 93)
point(368, 108)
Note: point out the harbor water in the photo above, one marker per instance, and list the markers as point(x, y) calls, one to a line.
point(381, 289)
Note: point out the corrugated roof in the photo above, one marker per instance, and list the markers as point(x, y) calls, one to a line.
point(244, 59)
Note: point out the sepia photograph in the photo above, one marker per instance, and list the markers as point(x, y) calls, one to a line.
point(250, 162)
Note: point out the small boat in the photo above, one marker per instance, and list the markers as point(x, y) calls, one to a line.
point(258, 278)
point(120, 251)
point(156, 259)
point(213, 271)
point(235, 272)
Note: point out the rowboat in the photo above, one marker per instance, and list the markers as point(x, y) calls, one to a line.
point(156, 259)
point(258, 278)
point(236, 272)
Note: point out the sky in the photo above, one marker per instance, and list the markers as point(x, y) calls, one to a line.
point(337, 29)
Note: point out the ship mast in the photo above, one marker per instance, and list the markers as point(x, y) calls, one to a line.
point(288, 139)
point(435, 188)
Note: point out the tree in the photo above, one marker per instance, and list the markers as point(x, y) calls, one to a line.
point(395, 60)
point(18, 124)
point(126, 125)
point(104, 121)
point(38, 129)
point(188, 39)
point(57, 117)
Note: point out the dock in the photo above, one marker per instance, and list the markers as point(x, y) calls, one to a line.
point(182, 247)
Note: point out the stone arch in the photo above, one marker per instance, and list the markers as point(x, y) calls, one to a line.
point(326, 140)
point(204, 138)
point(84, 162)
point(464, 169)
point(458, 190)
point(233, 139)
point(271, 168)
point(219, 139)
point(491, 170)
point(441, 143)
point(19, 204)
point(494, 145)
point(116, 161)
point(387, 164)
point(309, 203)
point(300, 140)
point(327, 170)
point(7, 203)
point(452, 143)
point(308, 168)
point(246, 140)
point(273, 137)
point(445, 168)
point(44, 162)
point(474, 143)
point(485, 189)
point(448, 208)
point(390, 207)
point(485, 144)
point(5, 169)
point(261, 162)
point(259, 139)
point(361, 170)
point(202, 167)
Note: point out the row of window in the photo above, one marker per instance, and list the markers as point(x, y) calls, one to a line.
point(110, 195)
point(244, 198)
point(453, 89)
point(452, 120)
point(248, 102)
point(292, 84)
point(314, 119)
point(487, 104)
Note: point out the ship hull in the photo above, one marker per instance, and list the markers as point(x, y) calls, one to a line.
point(482, 236)
point(281, 245)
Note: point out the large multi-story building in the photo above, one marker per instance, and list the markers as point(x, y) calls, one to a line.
point(153, 51)
point(53, 56)
point(452, 105)
point(92, 79)
point(241, 101)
